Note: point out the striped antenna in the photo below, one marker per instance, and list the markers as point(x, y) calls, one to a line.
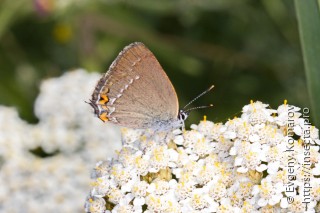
point(203, 93)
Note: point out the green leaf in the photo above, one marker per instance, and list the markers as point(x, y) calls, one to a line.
point(308, 16)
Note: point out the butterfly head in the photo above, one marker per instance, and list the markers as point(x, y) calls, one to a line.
point(183, 115)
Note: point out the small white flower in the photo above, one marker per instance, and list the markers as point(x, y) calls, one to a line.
point(159, 159)
point(156, 203)
point(218, 191)
point(142, 165)
point(257, 113)
point(140, 188)
point(115, 195)
point(102, 186)
point(198, 201)
point(121, 175)
point(159, 187)
point(283, 110)
point(222, 147)
point(191, 137)
point(206, 174)
point(202, 147)
point(95, 205)
point(268, 192)
point(184, 190)
point(205, 127)
point(217, 130)
point(102, 169)
point(315, 188)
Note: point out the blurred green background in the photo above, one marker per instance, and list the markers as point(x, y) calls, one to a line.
point(248, 49)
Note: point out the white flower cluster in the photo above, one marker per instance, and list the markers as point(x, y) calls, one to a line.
point(69, 135)
point(264, 161)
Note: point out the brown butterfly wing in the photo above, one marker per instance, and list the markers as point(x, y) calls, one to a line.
point(135, 92)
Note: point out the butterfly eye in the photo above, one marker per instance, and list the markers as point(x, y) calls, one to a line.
point(182, 115)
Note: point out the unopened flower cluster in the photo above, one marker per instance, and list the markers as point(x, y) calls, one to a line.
point(266, 160)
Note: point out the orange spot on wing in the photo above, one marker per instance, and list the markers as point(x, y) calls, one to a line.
point(104, 117)
point(103, 99)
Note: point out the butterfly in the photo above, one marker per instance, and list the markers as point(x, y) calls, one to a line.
point(136, 92)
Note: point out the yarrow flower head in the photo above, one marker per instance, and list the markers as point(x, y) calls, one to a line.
point(71, 140)
point(258, 162)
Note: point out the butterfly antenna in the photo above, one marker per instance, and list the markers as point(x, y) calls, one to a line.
point(199, 107)
point(203, 93)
